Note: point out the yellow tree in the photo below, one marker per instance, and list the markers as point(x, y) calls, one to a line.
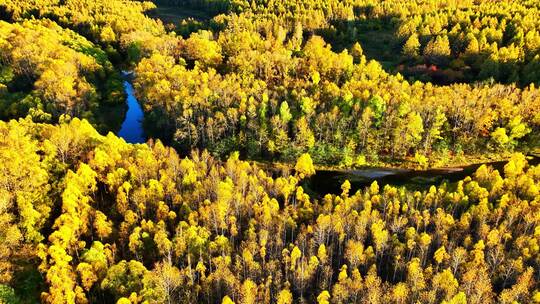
point(304, 166)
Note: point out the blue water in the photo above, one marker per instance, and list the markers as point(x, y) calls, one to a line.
point(132, 130)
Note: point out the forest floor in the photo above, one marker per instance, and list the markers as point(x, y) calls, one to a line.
point(380, 45)
point(173, 14)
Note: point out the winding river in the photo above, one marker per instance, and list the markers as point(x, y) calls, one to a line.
point(132, 129)
point(326, 181)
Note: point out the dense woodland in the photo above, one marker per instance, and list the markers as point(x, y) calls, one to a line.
point(137, 223)
point(188, 217)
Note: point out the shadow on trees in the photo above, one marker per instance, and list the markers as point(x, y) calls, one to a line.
point(379, 42)
point(5, 14)
point(375, 35)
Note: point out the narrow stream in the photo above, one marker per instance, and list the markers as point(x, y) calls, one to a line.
point(327, 181)
point(132, 129)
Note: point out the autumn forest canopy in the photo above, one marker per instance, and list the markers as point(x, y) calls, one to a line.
point(243, 102)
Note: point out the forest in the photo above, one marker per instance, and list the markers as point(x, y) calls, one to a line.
point(244, 103)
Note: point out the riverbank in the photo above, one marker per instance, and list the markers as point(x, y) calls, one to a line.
point(328, 181)
point(437, 162)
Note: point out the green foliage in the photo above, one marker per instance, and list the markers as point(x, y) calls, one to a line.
point(285, 113)
point(124, 278)
point(7, 295)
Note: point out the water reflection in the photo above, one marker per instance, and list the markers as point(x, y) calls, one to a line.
point(132, 129)
point(327, 181)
